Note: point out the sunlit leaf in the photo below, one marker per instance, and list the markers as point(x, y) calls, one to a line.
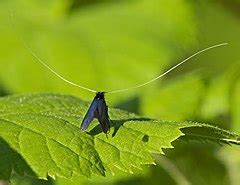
point(44, 130)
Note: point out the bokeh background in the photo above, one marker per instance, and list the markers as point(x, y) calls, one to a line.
point(109, 44)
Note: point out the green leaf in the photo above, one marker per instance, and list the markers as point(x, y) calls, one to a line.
point(44, 130)
point(204, 132)
point(50, 144)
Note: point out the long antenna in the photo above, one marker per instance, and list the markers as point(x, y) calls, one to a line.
point(43, 63)
point(114, 91)
point(168, 71)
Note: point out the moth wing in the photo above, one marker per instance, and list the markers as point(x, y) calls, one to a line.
point(103, 117)
point(90, 115)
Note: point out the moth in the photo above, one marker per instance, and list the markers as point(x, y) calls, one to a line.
point(99, 110)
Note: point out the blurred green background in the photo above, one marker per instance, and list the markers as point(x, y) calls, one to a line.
point(107, 45)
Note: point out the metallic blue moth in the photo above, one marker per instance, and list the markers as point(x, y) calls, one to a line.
point(99, 110)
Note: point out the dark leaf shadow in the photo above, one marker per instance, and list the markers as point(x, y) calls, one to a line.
point(117, 124)
point(3, 91)
point(76, 5)
point(10, 161)
point(14, 167)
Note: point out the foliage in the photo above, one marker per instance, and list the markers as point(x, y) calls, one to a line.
point(44, 130)
point(114, 44)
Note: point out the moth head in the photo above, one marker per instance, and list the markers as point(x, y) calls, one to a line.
point(100, 95)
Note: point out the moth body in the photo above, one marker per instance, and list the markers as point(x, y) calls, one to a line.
point(99, 110)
